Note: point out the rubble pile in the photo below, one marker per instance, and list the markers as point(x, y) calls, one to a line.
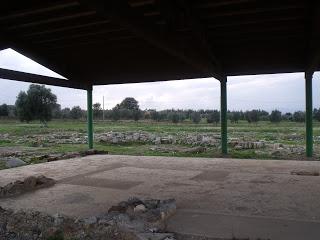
point(28, 184)
point(134, 219)
point(238, 145)
point(12, 158)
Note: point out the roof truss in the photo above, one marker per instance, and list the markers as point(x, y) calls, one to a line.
point(120, 11)
point(35, 78)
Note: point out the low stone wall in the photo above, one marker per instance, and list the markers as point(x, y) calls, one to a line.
point(202, 139)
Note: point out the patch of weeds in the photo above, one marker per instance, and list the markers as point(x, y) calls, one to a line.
point(66, 148)
point(270, 138)
point(2, 165)
point(32, 144)
point(5, 143)
point(35, 160)
point(287, 133)
point(57, 236)
point(243, 154)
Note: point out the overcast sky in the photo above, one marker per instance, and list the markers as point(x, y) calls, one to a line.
point(276, 91)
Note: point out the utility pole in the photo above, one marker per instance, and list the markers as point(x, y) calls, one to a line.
point(103, 108)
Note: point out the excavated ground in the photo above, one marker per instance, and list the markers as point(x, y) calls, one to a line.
point(218, 198)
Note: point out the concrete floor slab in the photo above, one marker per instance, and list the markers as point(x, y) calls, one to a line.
point(240, 227)
point(239, 191)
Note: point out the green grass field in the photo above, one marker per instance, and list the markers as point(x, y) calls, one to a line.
point(262, 127)
point(288, 133)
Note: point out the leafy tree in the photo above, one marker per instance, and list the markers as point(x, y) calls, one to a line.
point(125, 113)
point(136, 114)
point(4, 110)
point(263, 115)
point(115, 114)
point(12, 112)
point(97, 110)
point(147, 115)
point(155, 115)
point(196, 117)
point(299, 116)
point(188, 113)
point(76, 112)
point(56, 111)
point(65, 113)
point(129, 103)
point(182, 115)
point(23, 108)
point(42, 101)
point(127, 109)
point(37, 103)
point(164, 115)
point(201, 111)
point(213, 117)
point(174, 116)
point(275, 116)
point(235, 117)
point(287, 116)
point(316, 114)
point(252, 116)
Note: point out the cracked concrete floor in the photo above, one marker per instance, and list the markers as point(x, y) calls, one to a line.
point(262, 189)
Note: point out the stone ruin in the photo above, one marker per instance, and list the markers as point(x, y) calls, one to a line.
point(195, 139)
point(162, 141)
point(238, 144)
point(12, 158)
point(42, 140)
point(133, 219)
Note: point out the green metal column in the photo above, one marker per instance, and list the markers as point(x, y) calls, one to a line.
point(223, 115)
point(90, 118)
point(309, 129)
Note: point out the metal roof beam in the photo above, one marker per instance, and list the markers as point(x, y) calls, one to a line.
point(46, 7)
point(254, 10)
point(36, 53)
point(313, 60)
point(52, 19)
point(35, 78)
point(65, 28)
point(80, 35)
point(212, 4)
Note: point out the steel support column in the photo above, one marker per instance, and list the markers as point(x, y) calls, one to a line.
point(223, 115)
point(309, 129)
point(90, 118)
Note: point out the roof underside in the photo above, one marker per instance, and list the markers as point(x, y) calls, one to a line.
point(94, 42)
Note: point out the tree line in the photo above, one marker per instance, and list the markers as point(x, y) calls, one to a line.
point(39, 103)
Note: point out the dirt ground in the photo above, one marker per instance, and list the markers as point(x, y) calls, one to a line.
point(255, 189)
